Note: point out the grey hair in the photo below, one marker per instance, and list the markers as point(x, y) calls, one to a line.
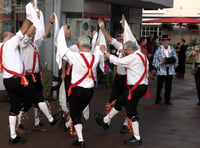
point(84, 41)
point(131, 45)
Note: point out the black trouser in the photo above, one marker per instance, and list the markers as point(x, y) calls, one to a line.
point(168, 86)
point(67, 84)
point(197, 81)
point(38, 90)
point(19, 94)
point(118, 87)
point(130, 105)
point(78, 100)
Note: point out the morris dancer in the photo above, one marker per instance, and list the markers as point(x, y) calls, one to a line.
point(18, 88)
point(30, 56)
point(119, 81)
point(137, 81)
point(82, 83)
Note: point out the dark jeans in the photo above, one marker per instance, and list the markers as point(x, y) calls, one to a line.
point(168, 86)
point(130, 105)
point(78, 100)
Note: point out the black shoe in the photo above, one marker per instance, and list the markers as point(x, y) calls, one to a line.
point(100, 122)
point(41, 124)
point(18, 139)
point(133, 140)
point(124, 129)
point(168, 103)
point(157, 103)
point(77, 143)
point(56, 117)
point(21, 130)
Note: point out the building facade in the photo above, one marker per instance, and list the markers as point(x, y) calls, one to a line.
point(181, 8)
point(82, 17)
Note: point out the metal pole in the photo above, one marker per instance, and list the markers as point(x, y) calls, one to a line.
point(1, 17)
point(15, 17)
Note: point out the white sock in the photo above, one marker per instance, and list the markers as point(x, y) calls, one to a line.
point(110, 115)
point(43, 107)
point(125, 122)
point(68, 123)
point(37, 119)
point(135, 126)
point(79, 128)
point(19, 117)
point(12, 123)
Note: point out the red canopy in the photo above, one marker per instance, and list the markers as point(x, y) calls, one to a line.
point(173, 20)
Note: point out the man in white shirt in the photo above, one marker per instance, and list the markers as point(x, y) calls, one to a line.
point(82, 82)
point(18, 88)
point(137, 81)
point(119, 81)
point(30, 56)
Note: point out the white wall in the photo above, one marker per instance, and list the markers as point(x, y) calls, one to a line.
point(186, 8)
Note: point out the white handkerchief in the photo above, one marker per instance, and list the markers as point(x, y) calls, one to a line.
point(128, 36)
point(56, 29)
point(41, 29)
point(61, 47)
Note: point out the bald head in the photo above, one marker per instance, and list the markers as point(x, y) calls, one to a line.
point(6, 36)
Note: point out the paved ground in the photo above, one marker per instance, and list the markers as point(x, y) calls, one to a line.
point(161, 126)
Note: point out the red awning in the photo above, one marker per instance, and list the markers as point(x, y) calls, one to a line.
point(173, 20)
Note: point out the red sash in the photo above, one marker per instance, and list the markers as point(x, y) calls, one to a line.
point(36, 55)
point(147, 94)
point(24, 81)
point(89, 73)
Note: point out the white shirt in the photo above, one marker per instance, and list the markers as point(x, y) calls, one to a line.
point(11, 55)
point(27, 53)
point(166, 51)
point(79, 67)
point(134, 65)
point(119, 46)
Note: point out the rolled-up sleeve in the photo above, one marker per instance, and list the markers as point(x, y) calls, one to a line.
point(124, 62)
point(116, 44)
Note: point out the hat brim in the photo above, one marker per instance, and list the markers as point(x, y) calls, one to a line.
point(165, 39)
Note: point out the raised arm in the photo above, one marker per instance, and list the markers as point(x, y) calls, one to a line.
point(103, 29)
point(28, 37)
point(63, 69)
point(25, 26)
point(50, 24)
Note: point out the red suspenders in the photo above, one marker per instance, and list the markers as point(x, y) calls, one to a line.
point(140, 80)
point(36, 55)
point(24, 81)
point(89, 73)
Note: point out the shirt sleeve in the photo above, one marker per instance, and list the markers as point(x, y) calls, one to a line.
point(116, 44)
point(39, 42)
point(25, 42)
point(14, 42)
point(70, 56)
point(124, 62)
